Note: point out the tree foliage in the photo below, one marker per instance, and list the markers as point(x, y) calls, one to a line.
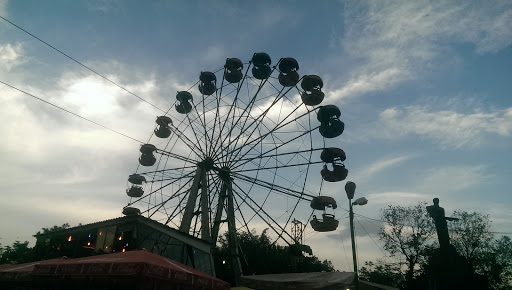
point(53, 229)
point(407, 234)
point(18, 253)
point(381, 272)
point(259, 255)
point(470, 235)
point(495, 263)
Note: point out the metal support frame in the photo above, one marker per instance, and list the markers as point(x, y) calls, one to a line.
point(354, 257)
point(205, 218)
point(207, 234)
point(233, 244)
point(191, 202)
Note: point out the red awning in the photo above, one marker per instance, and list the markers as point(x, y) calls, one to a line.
point(122, 268)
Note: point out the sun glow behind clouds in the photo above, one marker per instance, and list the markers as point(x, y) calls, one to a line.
point(89, 96)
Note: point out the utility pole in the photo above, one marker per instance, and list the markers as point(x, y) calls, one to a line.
point(350, 189)
point(354, 257)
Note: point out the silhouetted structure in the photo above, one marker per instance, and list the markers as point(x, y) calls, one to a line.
point(446, 268)
point(437, 213)
point(125, 234)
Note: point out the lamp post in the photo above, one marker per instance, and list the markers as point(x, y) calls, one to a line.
point(350, 189)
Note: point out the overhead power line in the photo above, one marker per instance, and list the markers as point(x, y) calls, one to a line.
point(83, 65)
point(69, 112)
point(368, 234)
point(383, 221)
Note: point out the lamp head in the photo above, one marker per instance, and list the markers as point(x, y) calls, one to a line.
point(360, 201)
point(350, 189)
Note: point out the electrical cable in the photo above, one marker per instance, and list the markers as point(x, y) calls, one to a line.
point(83, 65)
point(69, 112)
point(372, 238)
point(345, 251)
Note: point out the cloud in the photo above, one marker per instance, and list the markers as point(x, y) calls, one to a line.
point(365, 228)
point(103, 5)
point(452, 179)
point(11, 55)
point(368, 82)
point(367, 172)
point(61, 166)
point(392, 42)
point(449, 129)
point(396, 198)
point(3, 8)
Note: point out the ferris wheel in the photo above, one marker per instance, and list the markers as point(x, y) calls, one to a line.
point(240, 150)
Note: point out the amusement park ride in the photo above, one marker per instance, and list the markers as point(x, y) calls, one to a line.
point(238, 151)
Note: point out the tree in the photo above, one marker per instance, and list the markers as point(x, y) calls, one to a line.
point(496, 263)
point(388, 274)
point(53, 229)
point(406, 235)
point(259, 255)
point(18, 253)
point(470, 235)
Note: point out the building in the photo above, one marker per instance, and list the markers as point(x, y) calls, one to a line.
point(125, 234)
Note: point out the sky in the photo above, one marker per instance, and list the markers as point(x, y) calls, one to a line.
point(423, 88)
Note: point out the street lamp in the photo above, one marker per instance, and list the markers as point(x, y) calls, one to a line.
point(350, 189)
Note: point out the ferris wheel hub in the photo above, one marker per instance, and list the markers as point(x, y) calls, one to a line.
point(207, 163)
point(224, 173)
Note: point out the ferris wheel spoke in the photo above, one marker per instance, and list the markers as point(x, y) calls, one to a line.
point(244, 222)
point(278, 98)
point(178, 210)
point(215, 185)
point(242, 130)
point(278, 126)
point(259, 210)
point(262, 115)
point(217, 116)
point(249, 105)
point(279, 166)
point(272, 186)
point(178, 169)
point(189, 143)
point(278, 146)
point(234, 143)
point(251, 185)
point(217, 97)
point(285, 153)
point(192, 124)
point(292, 183)
point(202, 123)
point(280, 162)
point(303, 188)
point(233, 105)
point(160, 188)
point(148, 195)
point(195, 134)
point(174, 155)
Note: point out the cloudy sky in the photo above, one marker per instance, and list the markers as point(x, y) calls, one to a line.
point(423, 87)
